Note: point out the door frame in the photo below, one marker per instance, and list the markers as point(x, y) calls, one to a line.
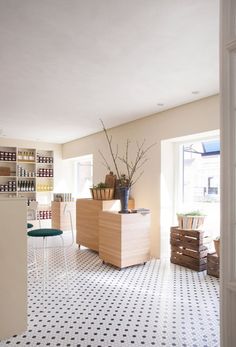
point(228, 172)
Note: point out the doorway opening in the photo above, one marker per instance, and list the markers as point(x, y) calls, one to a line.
point(190, 180)
point(83, 168)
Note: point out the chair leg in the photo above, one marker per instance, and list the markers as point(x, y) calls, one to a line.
point(44, 251)
point(65, 261)
point(36, 264)
point(46, 263)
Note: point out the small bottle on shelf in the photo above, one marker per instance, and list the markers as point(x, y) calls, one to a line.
point(25, 156)
point(20, 157)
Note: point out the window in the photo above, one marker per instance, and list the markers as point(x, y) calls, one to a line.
point(201, 181)
point(201, 176)
point(83, 176)
point(190, 180)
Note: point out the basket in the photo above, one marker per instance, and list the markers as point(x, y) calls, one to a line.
point(102, 193)
point(190, 222)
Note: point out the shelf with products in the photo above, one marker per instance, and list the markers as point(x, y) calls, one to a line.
point(7, 154)
point(7, 168)
point(26, 170)
point(26, 155)
point(7, 184)
point(26, 184)
point(28, 173)
point(44, 213)
point(44, 157)
point(44, 171)
point(44, 186)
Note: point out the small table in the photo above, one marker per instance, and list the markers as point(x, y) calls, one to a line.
point(124, 239)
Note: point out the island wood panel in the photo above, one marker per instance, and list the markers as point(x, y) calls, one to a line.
point(13, 267)
point(61, 220)
point(110, 239)
point(87, 220)
point(135, 239)
point(124, 239)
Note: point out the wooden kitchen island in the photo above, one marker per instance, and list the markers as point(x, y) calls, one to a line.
point(87, 220)
point(124, 239)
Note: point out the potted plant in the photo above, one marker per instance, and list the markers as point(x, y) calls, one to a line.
point(192, 220)
point(131, 166)
point(102, 192)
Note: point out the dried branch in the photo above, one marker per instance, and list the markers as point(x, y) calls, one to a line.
point(114, 157)
point(137, 178)
point(132, 167)
point(105, 163)
point(127, 157)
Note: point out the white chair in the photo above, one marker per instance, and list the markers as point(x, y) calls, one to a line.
point(46, 233)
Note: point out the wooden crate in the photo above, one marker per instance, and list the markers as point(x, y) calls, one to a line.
point(213, 265)
point(187, 248)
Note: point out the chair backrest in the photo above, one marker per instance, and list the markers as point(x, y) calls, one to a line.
point(33, 206)
point(67, 211)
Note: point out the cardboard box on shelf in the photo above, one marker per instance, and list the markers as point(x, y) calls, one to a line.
point(5, 171)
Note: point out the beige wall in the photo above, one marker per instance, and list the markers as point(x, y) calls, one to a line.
point(192, 118)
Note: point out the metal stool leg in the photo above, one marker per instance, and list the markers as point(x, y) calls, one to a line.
point(46, 263)
point(44, 251)
point(35, 263)
point(65, 261)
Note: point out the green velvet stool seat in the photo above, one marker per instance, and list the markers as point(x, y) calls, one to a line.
point(29, 225)
point(44, 232)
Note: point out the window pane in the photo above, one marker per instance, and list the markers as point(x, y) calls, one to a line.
point(201, 181)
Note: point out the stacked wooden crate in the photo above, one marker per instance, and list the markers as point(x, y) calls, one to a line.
point(187, 248)
point(213, 264)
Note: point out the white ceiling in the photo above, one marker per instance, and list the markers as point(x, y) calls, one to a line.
point(66, 63)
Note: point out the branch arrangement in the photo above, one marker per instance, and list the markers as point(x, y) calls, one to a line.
point(133, 167)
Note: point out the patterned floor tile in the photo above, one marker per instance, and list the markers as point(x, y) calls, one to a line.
point(157, 304)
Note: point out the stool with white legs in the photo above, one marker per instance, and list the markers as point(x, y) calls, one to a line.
point(45, 233)
point(32, 214)
point(34, 263)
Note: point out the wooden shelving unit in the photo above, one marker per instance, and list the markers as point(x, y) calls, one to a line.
point(27, 173)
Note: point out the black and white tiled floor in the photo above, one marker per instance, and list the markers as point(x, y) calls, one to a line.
point(157, 304)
